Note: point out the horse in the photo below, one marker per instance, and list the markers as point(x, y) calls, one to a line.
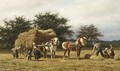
point(74, 46)
point(51, 46)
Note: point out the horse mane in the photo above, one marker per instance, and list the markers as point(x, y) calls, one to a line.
point(80, 41)
point(77, 42)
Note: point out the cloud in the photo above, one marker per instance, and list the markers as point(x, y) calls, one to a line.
point(105, 14)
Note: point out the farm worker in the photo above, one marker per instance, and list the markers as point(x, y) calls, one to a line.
point(111, 51)
point(34, 45)
point(37, 54)
point(15, 52)
point(98, 49)
point(30, 54)
point(106, 53)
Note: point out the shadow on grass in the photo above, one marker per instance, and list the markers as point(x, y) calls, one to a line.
point(20, 58)
point(57, 56)
point(37, 60)
point(74, 59)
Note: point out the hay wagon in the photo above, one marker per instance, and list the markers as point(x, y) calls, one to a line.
point(25, 40)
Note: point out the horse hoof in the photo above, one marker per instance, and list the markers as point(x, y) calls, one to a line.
point(78, 58)
point(68, 57)
point(64, 58)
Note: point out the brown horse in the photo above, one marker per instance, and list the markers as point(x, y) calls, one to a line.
point(71, 46)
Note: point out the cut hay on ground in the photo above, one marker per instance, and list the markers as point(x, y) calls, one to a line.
point(99, 58)
point(117, 57)
point(26, 39)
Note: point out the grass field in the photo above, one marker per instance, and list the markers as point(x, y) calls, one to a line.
point(7, 63)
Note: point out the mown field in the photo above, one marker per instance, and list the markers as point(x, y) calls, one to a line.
point(7, 63)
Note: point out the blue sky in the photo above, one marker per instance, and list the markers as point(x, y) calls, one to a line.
point(104, 14)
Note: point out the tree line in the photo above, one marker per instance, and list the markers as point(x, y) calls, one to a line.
point(13, 27)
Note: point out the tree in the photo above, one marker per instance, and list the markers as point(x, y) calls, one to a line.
point(58, 24)
point(11, 30)
point(90, 31)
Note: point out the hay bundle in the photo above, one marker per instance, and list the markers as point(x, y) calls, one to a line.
point(26, 39)
point(87, 56)
point(99, 58)
point(117, 57)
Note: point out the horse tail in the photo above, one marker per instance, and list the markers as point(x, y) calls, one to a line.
point(63, 45)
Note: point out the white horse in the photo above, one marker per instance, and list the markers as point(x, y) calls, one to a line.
point(52, 46)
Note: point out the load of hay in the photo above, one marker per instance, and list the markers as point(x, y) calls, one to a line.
point(26, 39)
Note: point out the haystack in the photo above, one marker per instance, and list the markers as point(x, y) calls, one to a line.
point(26, 39)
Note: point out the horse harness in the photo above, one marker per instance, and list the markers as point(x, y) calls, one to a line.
point(79, 43)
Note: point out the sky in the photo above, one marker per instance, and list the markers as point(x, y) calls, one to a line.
point(104, 14)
